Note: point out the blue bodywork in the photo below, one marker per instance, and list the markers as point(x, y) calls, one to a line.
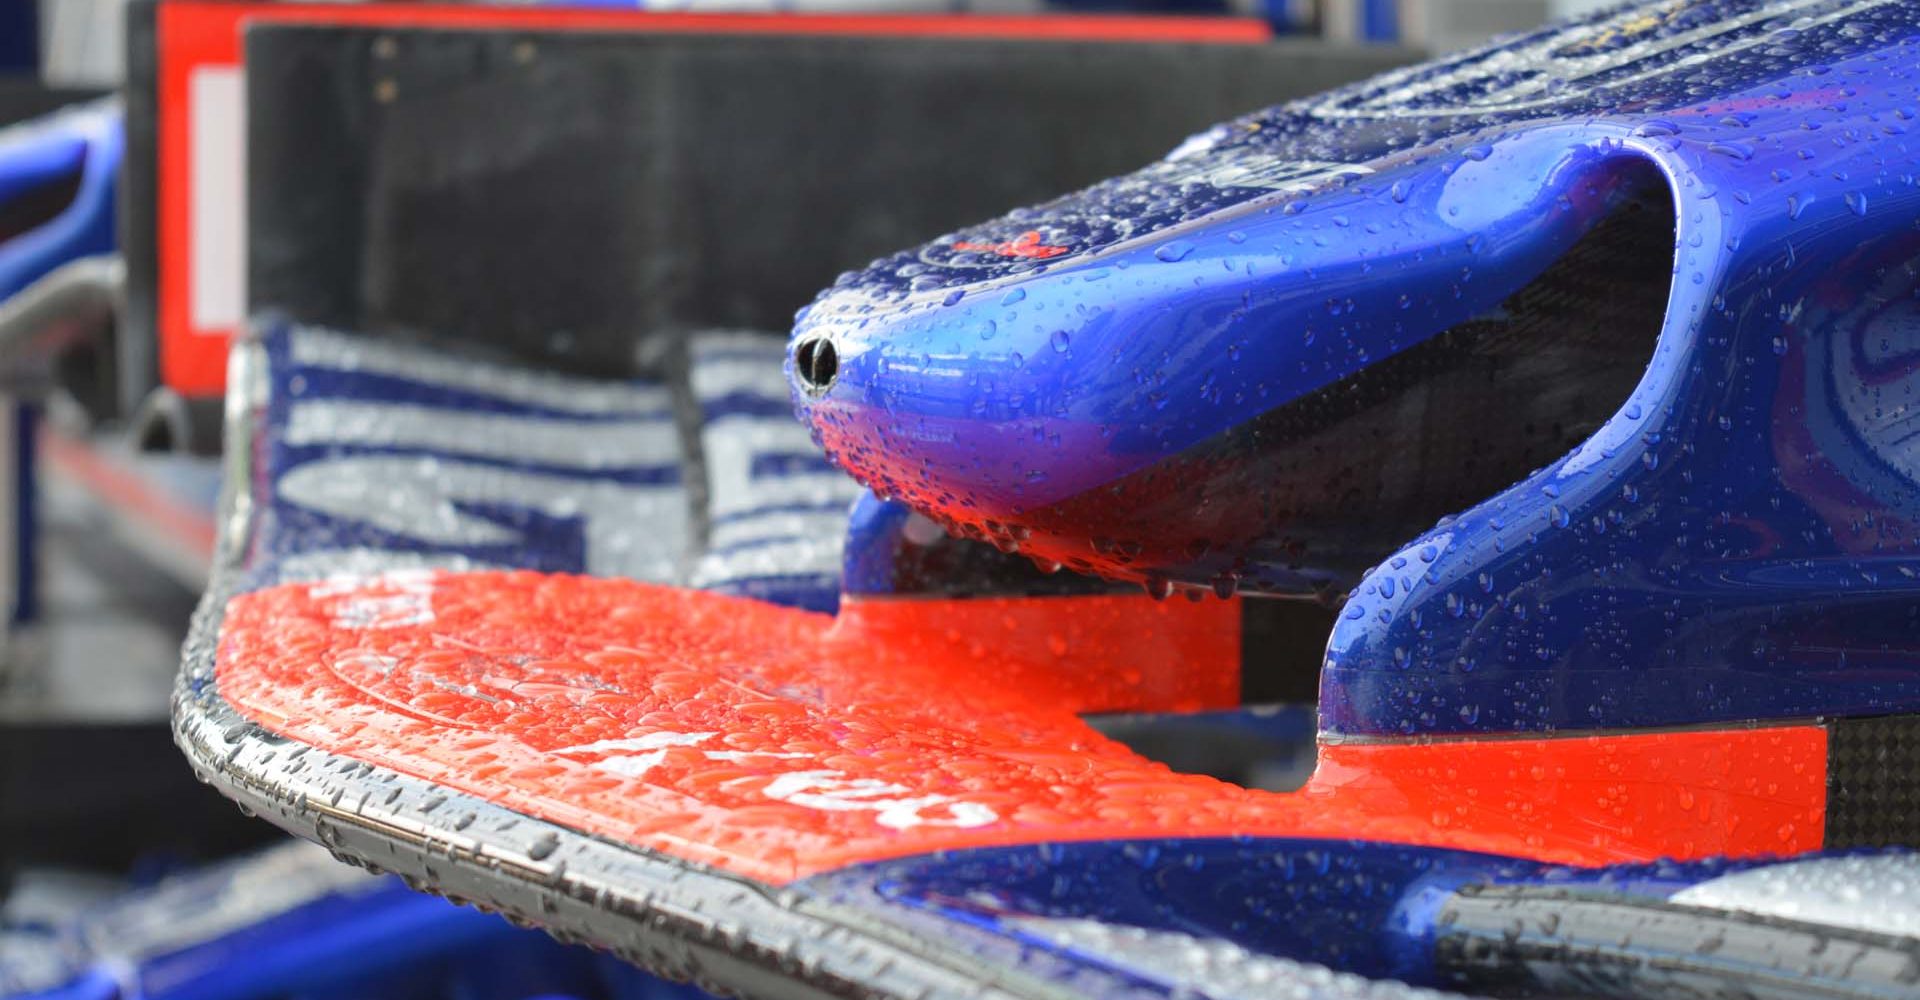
point(292, 922)
point(76, 152)
point(1737, 536)
point(1140, 910)
point(59, 181)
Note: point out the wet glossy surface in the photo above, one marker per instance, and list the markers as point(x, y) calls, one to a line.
point(1227, 917)
point(643, 764)
point(1735, 539)
point(57, 190)
point(372, 455)
point(775, 743)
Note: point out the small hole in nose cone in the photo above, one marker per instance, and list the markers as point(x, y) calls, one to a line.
point(817, 362)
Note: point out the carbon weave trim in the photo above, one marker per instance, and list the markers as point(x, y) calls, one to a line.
point(1873, 782)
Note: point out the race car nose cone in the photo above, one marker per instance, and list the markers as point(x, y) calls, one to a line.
point(1579, 366)
point(1179, 398)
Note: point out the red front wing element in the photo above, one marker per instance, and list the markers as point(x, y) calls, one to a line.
point(776, 743)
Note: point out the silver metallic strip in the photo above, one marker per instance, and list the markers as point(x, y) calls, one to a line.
point(828, 525)
point(1211, 967)
point(362, 563)
point(773, 561)
point(732, 443)
point(318, 348)
point(596, 444)
point(632, 531)
point(1879, 893)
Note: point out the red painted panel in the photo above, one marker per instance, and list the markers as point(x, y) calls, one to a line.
point(776, 743)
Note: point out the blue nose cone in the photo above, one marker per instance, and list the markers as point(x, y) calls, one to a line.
point(1579, 369)
point(1102, 387)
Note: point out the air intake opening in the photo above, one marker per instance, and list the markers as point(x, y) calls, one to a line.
point(817, 362)
point(40, 204)
point(1338, 481)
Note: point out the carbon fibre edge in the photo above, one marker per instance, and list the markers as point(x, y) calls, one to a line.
point(1873, 782)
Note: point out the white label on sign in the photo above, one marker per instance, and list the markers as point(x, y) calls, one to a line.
point(217, 205)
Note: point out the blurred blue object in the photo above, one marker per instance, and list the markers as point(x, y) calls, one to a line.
point(291, 922)
point(1380, 20)
point(58, 190)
